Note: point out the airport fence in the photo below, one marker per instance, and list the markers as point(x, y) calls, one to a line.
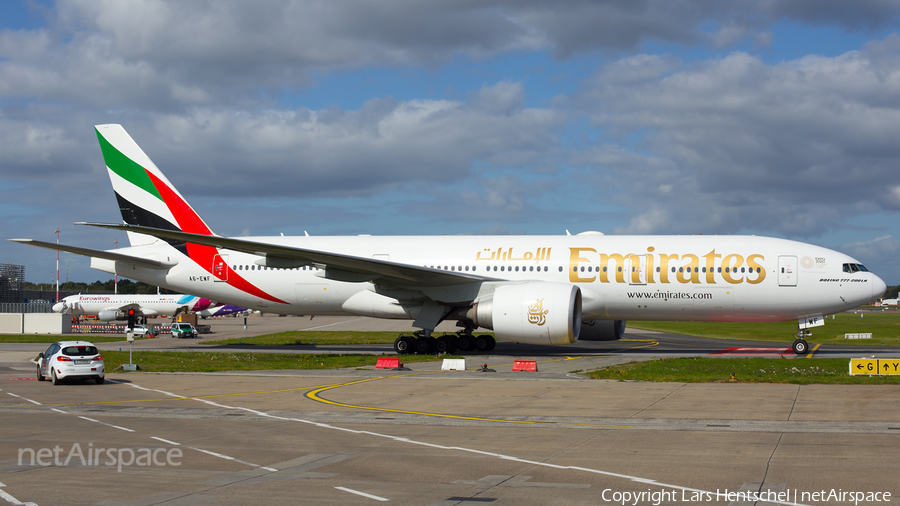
point(38, 306)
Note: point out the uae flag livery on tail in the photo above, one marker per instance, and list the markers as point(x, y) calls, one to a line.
point(147, 198)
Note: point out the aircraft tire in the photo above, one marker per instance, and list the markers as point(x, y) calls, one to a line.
point(424, 345)
point(445, 344)
point(484, 343)
point(466, 343)
point(403, 345)
point(800, 347)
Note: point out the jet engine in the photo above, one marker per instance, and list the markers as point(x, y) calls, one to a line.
point(602, 330)
point(108, 315)
point(532, 313)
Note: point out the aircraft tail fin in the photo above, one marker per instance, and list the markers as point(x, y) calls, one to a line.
point(145, 195)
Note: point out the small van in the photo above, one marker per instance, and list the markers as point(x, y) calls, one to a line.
point(180, 330)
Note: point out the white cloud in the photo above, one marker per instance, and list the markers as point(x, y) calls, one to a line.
point(794, 148)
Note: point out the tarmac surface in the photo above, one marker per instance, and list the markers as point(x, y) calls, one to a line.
point(432, 437)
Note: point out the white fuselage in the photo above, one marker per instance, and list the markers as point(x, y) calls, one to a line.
point(704, 278)
point(148, 305)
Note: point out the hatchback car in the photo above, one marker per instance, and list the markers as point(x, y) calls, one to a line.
point(71, 360)
point(143, 331)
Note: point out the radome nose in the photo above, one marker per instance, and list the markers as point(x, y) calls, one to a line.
point(57, 307)
point(878, 287)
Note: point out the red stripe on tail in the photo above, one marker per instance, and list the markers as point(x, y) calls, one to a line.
point(202, 255)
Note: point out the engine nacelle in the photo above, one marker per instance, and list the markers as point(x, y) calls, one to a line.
point(532, 313)
point(602, 330)
point(108, 315)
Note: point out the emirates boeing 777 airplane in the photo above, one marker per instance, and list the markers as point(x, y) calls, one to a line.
point(528, 289)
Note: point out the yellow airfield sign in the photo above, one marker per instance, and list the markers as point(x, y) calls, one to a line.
point(874, 366)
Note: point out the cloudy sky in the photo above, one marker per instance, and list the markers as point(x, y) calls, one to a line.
point(771, 117)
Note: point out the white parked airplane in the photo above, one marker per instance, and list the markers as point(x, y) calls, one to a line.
point(123, 307)
point(528, 289)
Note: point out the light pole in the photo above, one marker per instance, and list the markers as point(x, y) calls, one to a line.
point(57, 266)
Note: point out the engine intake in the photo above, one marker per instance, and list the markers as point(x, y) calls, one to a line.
point(531, 313)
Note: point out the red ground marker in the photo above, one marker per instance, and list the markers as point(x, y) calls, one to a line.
point(387, 363)
point(524, 365)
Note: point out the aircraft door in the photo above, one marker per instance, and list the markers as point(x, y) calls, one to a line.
point(787, 271)
point(220, 268)
point(636, 269)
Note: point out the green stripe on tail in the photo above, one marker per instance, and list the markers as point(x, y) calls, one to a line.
point(125, 167)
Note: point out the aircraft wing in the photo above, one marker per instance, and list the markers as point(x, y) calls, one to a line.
point(108, 255)
point(337, 266)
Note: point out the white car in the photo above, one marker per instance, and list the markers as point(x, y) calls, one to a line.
point(180, 330)
point(143, 330)
point(71, 360)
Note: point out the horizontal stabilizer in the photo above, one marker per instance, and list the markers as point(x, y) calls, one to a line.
point(108, 255)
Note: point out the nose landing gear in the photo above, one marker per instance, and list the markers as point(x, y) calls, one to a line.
point(800, 346)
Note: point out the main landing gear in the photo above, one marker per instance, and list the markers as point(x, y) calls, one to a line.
point(800, 346)
point(422, 344)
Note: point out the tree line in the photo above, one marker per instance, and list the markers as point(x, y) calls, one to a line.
point(126, 286)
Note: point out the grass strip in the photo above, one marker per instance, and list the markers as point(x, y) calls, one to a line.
point(312, 337)
point(884, 327)
point(201, 361)
point(827, 371)
point(52, 338)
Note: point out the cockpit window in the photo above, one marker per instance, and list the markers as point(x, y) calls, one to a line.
point(855, 268)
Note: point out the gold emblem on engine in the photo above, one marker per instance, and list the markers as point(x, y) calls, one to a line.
point(536, 313)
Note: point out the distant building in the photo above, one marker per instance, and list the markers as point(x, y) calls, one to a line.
point(890, 302)
point(12, 283)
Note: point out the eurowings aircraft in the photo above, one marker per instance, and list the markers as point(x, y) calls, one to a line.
point(121, 307)
point(548, 290)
